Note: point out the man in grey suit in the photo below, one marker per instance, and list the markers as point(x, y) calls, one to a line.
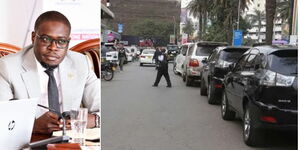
point(62, 79)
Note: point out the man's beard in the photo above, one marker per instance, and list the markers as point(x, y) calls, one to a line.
point(47, 66)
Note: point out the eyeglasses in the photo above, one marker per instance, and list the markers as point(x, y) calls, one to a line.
point(60, 43)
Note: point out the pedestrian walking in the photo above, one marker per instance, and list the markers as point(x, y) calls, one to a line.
point(155, 56)
point(121, 55)
point(162, 69)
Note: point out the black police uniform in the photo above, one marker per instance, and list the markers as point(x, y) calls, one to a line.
point(162, 70)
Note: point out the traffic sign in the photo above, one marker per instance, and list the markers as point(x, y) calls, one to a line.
point(237, 37)
point(120, 27)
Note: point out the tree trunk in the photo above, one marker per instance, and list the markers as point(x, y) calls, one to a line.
point(291, 17)
point(200, 27)
point(270, 14)
point(259, 28)
point(204, 22)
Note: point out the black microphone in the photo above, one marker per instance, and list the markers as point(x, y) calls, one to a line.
point(63, 116)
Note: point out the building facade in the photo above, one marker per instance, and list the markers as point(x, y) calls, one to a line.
point(279, 30)
point(129, 12)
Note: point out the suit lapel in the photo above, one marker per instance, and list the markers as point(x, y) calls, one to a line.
point(30, 76)
point(67, 75)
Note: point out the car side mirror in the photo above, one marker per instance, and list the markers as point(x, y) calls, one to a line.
point(204, 61)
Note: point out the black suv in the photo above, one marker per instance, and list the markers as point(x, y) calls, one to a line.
point(214, 70)
point(262, 89)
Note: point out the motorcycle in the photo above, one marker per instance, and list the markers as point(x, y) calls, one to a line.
point(107, 70)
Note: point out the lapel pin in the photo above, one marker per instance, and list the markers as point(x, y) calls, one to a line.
point(71, 76)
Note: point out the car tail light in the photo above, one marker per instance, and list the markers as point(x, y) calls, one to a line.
point(268, 119)
point(143, 56)
point(218, 85)
point(275, 79)
point(193, 63)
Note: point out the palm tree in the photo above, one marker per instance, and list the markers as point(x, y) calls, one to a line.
point(188, 28)
point(257, 17)
point(284, 11)
point(270, 14)
point(226, 11)
point(199, 9)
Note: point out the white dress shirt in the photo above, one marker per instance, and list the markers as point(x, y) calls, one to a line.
point(43, 79)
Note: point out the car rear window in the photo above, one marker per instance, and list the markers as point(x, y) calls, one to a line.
point(205, 50)
point(232, 55)
point(284, 62)
point(172, 47)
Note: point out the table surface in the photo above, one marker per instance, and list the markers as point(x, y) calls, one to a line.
point(90, 145)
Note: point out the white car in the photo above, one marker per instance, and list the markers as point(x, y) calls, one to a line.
point(129, 55)
point(193, 61)
point(147, 57)
point(180, 58)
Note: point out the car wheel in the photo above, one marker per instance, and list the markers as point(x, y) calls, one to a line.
point(184, 77)
point(203, 89)
point(211, 97)
point(227, 114)
point(141, 64)
point(108, 75)
point(252, 135)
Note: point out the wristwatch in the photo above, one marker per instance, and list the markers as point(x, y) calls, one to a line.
point(97, 121)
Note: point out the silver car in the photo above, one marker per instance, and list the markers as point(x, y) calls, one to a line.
point(193, 61)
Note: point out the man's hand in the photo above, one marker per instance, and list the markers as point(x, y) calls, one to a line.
point(47, 123)
point(90, 122)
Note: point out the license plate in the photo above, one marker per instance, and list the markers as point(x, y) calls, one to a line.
point(149, 57)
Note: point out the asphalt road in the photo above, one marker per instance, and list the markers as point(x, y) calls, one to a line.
point(137, 116)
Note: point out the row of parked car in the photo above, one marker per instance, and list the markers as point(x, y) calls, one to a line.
point(108, 51)
point(147, 54)
point(257, 84)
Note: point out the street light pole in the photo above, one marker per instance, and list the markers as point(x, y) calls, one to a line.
point(174, 30)
point(238, 21)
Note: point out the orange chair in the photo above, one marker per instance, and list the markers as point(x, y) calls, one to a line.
point(6, 49)
point(91, 49)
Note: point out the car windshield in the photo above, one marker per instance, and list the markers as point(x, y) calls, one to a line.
point(148, 51)
point(205, 50)
point(284, 62)
point(231, 55)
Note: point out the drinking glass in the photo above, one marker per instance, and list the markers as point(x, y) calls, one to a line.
point(78, 125)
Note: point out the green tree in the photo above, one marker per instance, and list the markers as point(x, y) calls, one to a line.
point(284, 11)
point(257, 18)
point(188, 28)
point(148, 28)
point(216, 31)
point(270, 14)
point(223, 14)
point(200, 9)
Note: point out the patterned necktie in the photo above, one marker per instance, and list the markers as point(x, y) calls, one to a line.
point(52, 92)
